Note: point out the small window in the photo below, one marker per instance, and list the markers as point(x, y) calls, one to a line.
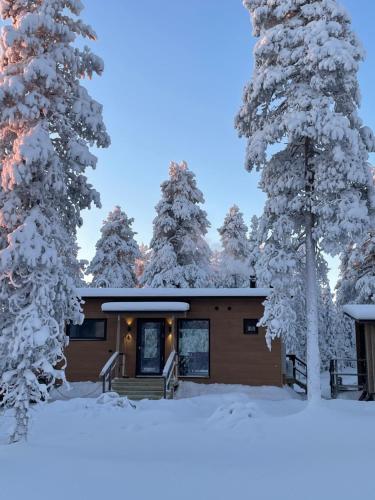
point(194, 347)
point(91, 329)
point(250, 326)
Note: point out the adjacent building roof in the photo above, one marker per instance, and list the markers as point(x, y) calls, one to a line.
point(360, 312)
point(145, 306)
point(140, 293)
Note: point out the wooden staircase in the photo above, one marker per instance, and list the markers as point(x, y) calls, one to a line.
point(139, 388)
point(159, 387)
point(296, 372)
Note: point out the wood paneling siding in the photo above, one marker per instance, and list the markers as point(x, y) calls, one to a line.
point(235, 358)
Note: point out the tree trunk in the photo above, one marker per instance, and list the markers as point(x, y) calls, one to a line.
point(21, 418)
point(312, 327)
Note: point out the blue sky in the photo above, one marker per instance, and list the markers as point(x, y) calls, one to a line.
point(174, 74)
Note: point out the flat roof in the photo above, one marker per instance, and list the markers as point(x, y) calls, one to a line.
point(360, 312)
point(139, 293)
point(144, 306)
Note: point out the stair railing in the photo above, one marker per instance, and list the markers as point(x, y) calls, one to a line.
point(115, 366)
point(170, 373)
point(299, 371)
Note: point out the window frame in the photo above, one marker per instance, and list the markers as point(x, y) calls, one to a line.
point(179, 321)
point(88, 339)
point(245, 332)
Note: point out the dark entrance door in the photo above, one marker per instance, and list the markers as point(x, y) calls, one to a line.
point(150, 346)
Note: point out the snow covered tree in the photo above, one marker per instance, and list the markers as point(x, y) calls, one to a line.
point(142, 261)
point(113, 265)
point(233, 235)
point(328, 328)
point(304, 97)
point(357, 278)
point(76, 267)
point(234, 267)
point(180, 255)
point(47, 123)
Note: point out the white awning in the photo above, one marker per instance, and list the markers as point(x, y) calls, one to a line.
point(145, 306)
point(360, 312)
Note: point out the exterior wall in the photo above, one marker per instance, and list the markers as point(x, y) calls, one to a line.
point(235, 358)
point(370, 356)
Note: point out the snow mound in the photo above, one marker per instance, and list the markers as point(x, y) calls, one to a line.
point(192, 389)
point(74, 390)
point(233, 415)
point(113, 399)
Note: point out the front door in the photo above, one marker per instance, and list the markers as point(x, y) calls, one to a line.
point(150, 346)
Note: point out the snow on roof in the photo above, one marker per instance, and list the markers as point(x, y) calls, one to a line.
point(360, 311)
point(136, 293)
point(145, 306)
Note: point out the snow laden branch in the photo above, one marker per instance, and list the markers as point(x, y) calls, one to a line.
point(47, 122)
point(303, 99)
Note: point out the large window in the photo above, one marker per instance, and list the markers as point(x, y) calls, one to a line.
point(194, 347)
point(91, 329)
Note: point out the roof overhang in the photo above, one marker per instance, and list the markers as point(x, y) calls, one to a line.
point(360, 312)
point(160, 293)
point(143, 306)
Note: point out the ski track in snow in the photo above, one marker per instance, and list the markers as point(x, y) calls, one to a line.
point(212, 443)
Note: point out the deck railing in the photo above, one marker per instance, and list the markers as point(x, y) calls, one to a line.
point(347, 375)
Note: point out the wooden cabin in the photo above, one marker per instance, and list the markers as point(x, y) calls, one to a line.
point(364, 316)
point(210, 335)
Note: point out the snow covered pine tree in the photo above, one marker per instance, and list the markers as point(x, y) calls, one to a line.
point(116, 253)
point(142, 261)
point(234, 266)
point(180, 255)
point(304, 97)
point(47, 121)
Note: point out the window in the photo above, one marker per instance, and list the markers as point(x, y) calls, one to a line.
point(91, 329)
point(250, 326)
point(194, 347)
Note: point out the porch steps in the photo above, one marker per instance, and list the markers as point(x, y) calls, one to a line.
point(139, 388)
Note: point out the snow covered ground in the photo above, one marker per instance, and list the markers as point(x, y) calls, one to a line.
point(214, 442)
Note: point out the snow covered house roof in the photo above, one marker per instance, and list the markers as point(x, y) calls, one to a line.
point(360, 312)
point(140, 293)
point(145, 306)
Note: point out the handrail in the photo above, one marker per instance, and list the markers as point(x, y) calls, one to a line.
point(295, 360)
point(110, 366)
point(109, 363)
point(170, 372)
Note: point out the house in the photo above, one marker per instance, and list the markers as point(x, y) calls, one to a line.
point(364, 316)
point(140, 339)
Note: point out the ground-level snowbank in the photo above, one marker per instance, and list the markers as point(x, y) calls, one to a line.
point(237, 444)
